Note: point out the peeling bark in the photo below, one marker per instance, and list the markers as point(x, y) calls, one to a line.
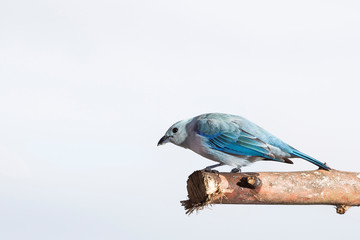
point(319, 187)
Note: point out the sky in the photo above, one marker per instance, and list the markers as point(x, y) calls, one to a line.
point(87, 88)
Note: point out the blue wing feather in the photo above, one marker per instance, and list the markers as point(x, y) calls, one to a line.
point(228, 137)
point(237, 144)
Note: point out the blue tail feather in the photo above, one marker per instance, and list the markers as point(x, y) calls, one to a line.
point(310, 159)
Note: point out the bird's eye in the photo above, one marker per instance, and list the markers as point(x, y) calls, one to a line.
point(174, 130)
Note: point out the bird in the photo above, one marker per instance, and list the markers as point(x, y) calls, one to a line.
point(231, 140)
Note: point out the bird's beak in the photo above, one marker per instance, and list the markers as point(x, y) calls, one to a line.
point(163, 140)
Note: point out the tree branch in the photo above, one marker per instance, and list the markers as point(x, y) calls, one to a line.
point(319, 187)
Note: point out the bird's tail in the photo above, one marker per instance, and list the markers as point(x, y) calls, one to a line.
point(299, 154)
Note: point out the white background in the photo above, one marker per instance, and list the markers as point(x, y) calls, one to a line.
point(87, 88)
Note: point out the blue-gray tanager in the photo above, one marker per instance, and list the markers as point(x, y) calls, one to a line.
point(231, 140)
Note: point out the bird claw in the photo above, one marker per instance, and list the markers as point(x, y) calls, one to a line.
point(211, 171)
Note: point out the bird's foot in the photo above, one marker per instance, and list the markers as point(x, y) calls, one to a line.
point(211, 170)
point(236, 170)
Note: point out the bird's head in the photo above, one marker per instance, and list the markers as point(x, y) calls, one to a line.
point(176, 134)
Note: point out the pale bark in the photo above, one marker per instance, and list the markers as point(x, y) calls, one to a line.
point(321, 187)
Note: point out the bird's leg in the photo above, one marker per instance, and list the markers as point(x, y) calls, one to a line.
point(210, 168)
point(236, 170)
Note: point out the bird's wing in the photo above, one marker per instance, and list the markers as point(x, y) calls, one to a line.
point(229, 137)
